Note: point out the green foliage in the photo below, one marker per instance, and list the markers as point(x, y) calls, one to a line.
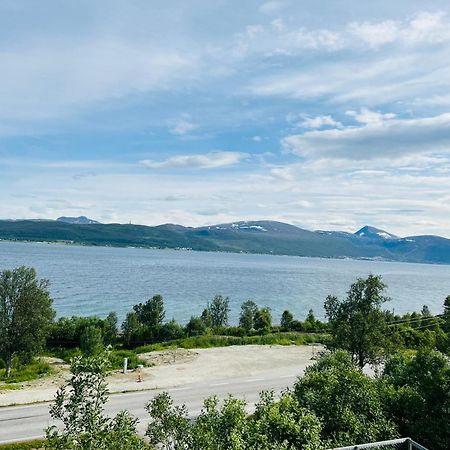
point(274, 426)
point(286, 320)
point(247, 316)
point(206, 317)
point(79, 405)
point(195, 327)
point(284, 424)
point(26, 372)
point(110, 329)
point(91, 342)
point(170, 427)
point(418, 396)
point(66, 332)
point(357, 324)
point(36, 444)
point(116, 358)
point(130, 328)
point(151, 313)
point(263, 320)
point(208, 341)
point(349, 403)
point(170, 331)
point(25, 314)
point(219, 309)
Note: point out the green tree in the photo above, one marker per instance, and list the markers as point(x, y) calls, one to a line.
point(130, 327)
point(284, 424)
point(446, 314)
point(223, 428)
point(91, 341)
point(151, 313)
point(170, 427)
point(286, 320)
point(110, 329)
point(206, 317)
point(195, 327)
point(219, 310)
point(171, 330)
point(357, 324)
point(247, 316)
point(418, 396)
point(263, 320)
point(25, 314)
point(79, 405)
point(349, 403)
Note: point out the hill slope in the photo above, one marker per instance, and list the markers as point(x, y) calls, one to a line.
point(252, 237)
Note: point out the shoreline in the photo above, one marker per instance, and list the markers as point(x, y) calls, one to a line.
point(182, 249)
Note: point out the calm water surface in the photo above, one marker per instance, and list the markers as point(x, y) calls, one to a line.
point(96, 280)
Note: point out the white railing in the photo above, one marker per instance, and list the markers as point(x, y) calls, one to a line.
point(394, 444)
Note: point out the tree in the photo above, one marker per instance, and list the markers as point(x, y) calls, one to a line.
point(446, 314)
point(418, 396)
point(206, 317)
point(25, 314)
point(286, 320)
point(357, 324)
point(91, 342)
point(151, 313)
point(219, 309)
point(110, 329)
point(263, 320)
point(349, 404)
point(170, 427)
point(130, 327)
point(79, 405)
point(195, 327)
point(247, 316)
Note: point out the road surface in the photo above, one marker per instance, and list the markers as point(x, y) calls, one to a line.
point(19, 423)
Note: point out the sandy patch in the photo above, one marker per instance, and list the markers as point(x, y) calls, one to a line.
point(173, 368)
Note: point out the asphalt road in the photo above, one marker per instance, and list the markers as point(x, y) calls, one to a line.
point(19, 423)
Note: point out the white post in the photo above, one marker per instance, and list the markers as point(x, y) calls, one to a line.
point(125, 365)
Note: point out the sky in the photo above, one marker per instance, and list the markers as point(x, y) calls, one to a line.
point(327, 115)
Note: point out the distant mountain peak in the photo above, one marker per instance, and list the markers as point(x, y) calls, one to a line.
point(80, 220)
point(374, 233)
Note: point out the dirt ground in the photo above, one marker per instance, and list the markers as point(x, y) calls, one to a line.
point(173, 368)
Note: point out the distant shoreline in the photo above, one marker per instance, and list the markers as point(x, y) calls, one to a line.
point(81, 244)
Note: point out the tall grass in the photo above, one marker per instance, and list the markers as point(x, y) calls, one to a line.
point(209, 341)
point(28, 372)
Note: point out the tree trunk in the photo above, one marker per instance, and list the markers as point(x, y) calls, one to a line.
point(8, 364)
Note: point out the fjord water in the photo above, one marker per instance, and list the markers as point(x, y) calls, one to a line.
point(96, 280)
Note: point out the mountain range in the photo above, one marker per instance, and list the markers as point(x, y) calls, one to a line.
point(246, 237)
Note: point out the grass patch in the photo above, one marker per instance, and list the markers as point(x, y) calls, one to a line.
point(28, 372)
point(36, 444)
point(9, 387)
point(116, 359)
point(210, 341)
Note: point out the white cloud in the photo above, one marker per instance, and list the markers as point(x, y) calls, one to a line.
point(378, 139)
point(320, 121)
point(375, 33)
point(367, 116)
point(422, 27)
point(212, 160)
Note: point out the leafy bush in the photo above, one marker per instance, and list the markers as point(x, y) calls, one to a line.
point(116, 359)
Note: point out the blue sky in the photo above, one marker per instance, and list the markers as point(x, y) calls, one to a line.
point(326, 115)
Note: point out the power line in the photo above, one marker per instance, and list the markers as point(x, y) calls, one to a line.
point(421, 319)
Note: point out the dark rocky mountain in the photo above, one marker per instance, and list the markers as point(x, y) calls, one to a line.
point(249, 237)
